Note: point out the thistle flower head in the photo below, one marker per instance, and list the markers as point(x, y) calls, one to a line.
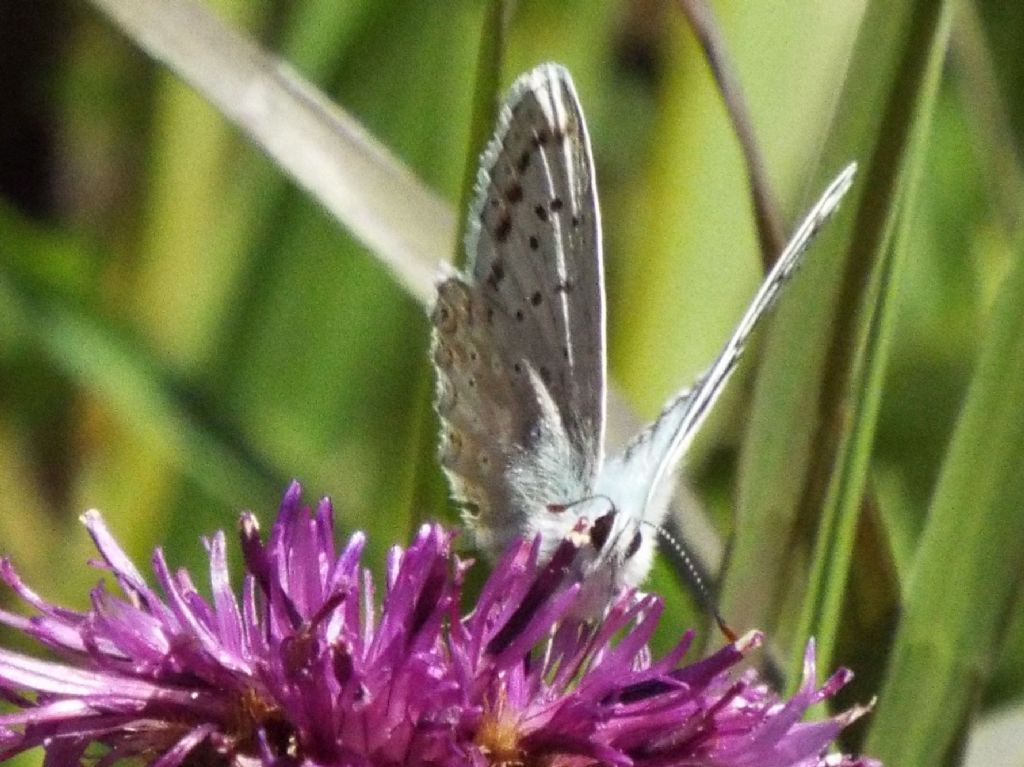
point(307, 665)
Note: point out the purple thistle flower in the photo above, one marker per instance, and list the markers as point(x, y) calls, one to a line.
point(306, 668)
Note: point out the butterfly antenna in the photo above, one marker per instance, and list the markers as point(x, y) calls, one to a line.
point(695, 576)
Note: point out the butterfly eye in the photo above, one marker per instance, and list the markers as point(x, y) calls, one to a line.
point(601, 530)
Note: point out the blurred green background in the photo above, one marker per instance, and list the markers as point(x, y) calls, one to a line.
point(182, 331)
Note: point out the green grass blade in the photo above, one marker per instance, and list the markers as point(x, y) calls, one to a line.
point(107, 363)
point(988, 78)
point(322, 147)
point(252, 193)
point(487, 94)
point(908, 114)
point(325, 363)
point(967, 569)
point(800, 398)
point(429, 492)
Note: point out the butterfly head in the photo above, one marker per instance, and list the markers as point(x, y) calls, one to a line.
point(617, 551)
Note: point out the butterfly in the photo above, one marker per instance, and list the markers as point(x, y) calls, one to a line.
point(518, 343)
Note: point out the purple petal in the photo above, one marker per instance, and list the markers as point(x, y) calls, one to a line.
point(306, 669)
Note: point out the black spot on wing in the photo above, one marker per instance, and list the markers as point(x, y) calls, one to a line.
point(495, 277)
point(504, 226)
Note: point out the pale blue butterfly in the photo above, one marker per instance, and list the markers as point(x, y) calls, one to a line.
point(519, 347)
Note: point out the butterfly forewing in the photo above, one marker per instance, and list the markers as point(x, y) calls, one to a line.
point(534, 244)
point(519, 341)
point(649, 462)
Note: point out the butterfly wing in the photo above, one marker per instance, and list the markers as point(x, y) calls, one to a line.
point(644, 472)
point(519, 341)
